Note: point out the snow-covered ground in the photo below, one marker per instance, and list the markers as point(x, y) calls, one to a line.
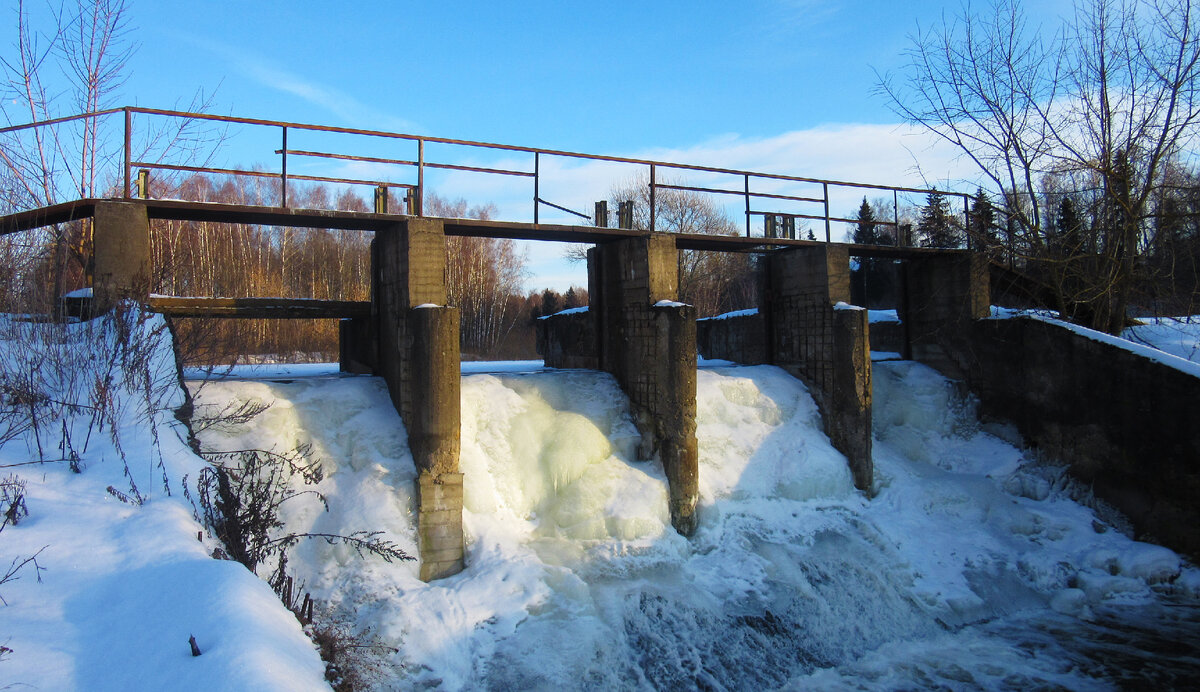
point(1179, 336)
point(124, 581)
point(972, 567)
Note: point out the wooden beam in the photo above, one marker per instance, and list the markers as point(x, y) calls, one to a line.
point(368, 221)
point(266, 308)
point(47, 216)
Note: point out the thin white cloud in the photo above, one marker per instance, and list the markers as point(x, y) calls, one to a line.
point(344, 106)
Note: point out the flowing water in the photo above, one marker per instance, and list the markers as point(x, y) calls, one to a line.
point(974, 566)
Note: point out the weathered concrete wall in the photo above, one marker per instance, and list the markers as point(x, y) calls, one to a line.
point(120, 254)
point(945, 293)
point(358, 347)
point(419, 359)
point(848, 410)
point(739, 338)
point(887, 336)
point(828, 348)
point(569, 340)
point(651, 350)
point(1126, 425)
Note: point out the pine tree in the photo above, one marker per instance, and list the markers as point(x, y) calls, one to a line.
point(936, 227)
point(983, 220)
point(1069, 228)
point(551, 302)
point(865, 231)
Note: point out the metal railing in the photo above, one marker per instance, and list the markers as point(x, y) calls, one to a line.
point(752, 195)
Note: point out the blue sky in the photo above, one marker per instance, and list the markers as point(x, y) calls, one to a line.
point(783, 86)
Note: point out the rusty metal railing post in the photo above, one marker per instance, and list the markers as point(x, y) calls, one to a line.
point(967, 219)
point(283, 173)
point(652, 198)
point(896, 217)
point(825, 189)
point(537, 195)
point(128, 150)
point(747, 177)
point(420, 177)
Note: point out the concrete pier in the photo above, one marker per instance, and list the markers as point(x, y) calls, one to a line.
point(418, 357)
point(818, 337)
point(120, 254)
point(648, 342)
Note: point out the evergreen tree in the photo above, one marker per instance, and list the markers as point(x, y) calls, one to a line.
point(865, 230)
point(936, 227)
point(1069, 227)
point(551, 302)
point(983, 221)
point(571, 299)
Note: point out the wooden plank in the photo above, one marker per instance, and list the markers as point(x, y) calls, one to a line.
point(266, 308)
point(369, 221)
point(47, 216)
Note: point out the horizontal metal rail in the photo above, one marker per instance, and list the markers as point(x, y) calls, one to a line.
point(402, 162)
point(655, 167)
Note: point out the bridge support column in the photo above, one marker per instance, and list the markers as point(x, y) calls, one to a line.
point(419, 359)
point(120, 254)
point(943, 294)
point(817, 336)
point(651, 350)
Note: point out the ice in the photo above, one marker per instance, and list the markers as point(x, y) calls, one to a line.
point(575, 579)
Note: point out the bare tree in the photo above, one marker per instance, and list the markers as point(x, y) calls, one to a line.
point(482, 275)
point(1102, 106)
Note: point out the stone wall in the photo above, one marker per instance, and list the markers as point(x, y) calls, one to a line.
point(120, 262)
point(1126, 425)
point(945, 293)
point(824, 344)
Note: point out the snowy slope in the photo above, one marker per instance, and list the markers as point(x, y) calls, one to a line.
point(122, 585)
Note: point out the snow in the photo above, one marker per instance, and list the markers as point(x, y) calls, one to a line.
point(1179, 336)
point(973, 566)
point(669, 304)
point(874, 316)
point(843, 305)
point(510, 366)
point(568, 311)
point(730, 315)
point(123, 586)
point(575, 579)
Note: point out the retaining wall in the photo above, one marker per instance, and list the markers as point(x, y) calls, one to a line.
point(1127, 426)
